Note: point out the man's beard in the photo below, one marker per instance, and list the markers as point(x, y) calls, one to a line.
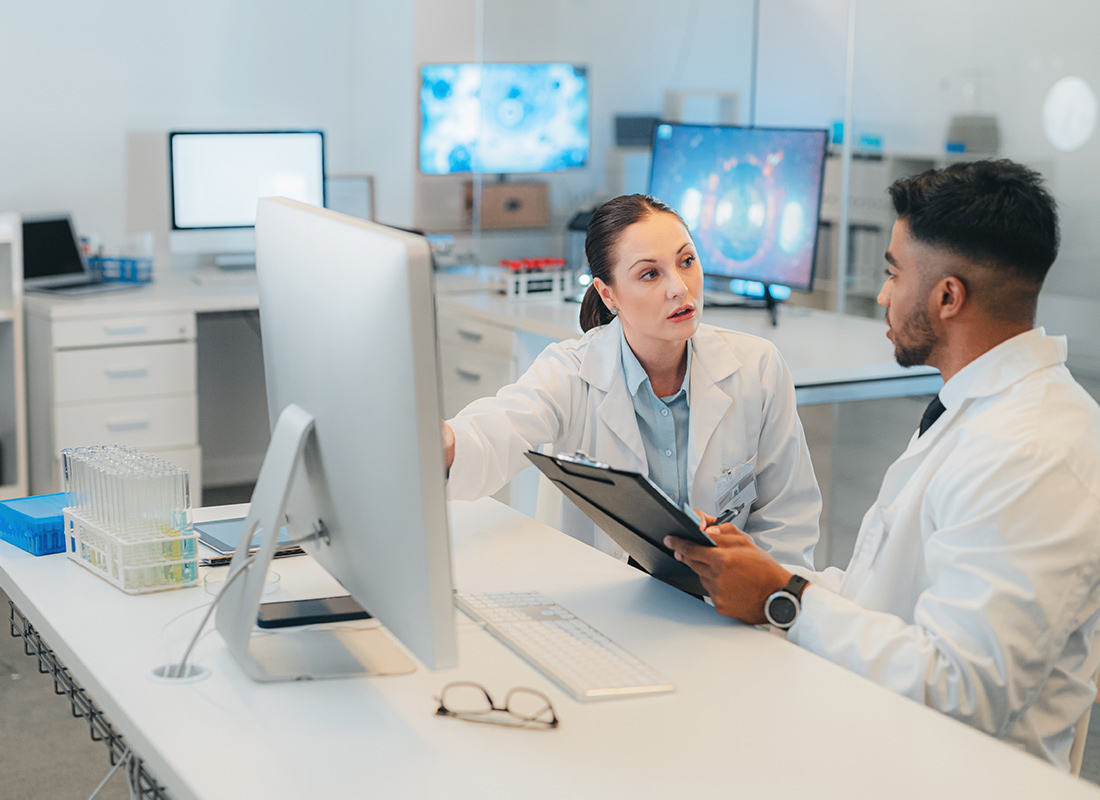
point(914, 341)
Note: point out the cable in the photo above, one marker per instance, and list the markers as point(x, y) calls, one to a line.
point(169, 623)
point(125, 757)
point(179, 671)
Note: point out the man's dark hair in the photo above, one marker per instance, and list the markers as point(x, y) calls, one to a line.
point(993, 213)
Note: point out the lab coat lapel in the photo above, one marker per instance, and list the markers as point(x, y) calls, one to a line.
point(712, 362)
point(992, 373)
point(602, 369)
point(903, 468)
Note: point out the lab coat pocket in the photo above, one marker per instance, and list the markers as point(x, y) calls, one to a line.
point(735, 492)
point(876, 531)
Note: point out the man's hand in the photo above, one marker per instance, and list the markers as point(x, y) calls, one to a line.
point(737, 574)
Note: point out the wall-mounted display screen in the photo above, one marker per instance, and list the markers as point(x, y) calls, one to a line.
point(503, 118)
point(751, 197)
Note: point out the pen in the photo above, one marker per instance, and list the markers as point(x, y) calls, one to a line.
point(730, 515)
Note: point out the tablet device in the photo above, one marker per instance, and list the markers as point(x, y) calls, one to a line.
point(632, 510)
point(289, 613)
point(222, 536)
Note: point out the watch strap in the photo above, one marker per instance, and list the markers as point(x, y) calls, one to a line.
point(796, 586)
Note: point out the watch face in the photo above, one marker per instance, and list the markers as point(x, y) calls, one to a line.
point(782, 610)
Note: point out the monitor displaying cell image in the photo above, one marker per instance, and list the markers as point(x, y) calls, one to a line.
point(503, 118)
point(751, 197)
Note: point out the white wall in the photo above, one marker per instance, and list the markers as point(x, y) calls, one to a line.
point(80, 76)
point(634, 50)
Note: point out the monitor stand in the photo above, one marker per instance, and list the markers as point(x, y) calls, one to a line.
point(235, 262)
point(291, 655)
point(718, 299)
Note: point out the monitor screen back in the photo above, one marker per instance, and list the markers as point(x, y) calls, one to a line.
point(751, 197)
point(217, 178)
point(349, 336)
point(50, 251)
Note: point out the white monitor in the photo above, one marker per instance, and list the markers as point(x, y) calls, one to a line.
point(216, 178)
point(352, 381)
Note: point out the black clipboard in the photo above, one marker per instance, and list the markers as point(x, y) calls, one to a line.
point(630, 508)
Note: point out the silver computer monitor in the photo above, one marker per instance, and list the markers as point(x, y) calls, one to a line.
point(352, 384)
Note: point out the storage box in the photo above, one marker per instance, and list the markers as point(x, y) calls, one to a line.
point(510, 205)
point(34, 524)
point(125, 270)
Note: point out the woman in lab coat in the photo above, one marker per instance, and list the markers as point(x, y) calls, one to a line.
point(648, 388)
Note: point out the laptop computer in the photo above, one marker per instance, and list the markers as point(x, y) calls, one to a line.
point(53, 261)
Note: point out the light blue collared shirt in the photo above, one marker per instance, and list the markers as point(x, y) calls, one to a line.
point(663, 423)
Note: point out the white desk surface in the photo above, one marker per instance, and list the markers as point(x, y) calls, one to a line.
point(821, 347)
point(753, 716)
point(168, 292)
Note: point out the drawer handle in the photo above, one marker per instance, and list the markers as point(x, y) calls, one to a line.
point(127, 372)
point(132, 330)
point(128, 425)
point(466, 375)
point(470, 336)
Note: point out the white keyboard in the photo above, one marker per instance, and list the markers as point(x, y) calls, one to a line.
point(569, 651)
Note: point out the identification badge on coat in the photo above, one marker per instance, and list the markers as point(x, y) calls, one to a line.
point(735, 492)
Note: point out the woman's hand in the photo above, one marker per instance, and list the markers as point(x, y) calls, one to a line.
point(448, 448)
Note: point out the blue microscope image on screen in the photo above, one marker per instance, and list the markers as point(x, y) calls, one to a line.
point(750, 197)
point(501, 118)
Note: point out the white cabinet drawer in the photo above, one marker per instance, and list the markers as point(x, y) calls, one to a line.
point(116, 372)
point(148, 422)
point(469, 374)
point(472, 333)
point(123, 330)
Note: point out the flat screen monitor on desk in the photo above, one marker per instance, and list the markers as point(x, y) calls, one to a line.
point(750, 196)
point(356, 457)
point(216, 178)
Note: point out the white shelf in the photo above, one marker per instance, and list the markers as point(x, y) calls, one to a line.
point(13, 409)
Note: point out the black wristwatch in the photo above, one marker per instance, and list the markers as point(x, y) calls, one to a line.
point(783, 606)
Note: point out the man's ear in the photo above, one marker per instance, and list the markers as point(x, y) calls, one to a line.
point(949, 297)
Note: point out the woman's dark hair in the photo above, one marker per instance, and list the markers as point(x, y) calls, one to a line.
point(604, 231)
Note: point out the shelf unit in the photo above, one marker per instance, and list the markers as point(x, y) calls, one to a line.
point(13, 395)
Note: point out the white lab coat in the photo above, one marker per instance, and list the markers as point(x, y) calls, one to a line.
point(975, 583)
point(574, 397)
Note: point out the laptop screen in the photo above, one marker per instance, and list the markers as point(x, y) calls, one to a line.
point(50, 249)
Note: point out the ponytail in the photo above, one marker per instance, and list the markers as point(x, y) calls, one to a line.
point(594, 312)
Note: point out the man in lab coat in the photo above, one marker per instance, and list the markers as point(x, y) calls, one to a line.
point(974, 587)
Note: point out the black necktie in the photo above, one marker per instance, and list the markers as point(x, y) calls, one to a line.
point(931, 414)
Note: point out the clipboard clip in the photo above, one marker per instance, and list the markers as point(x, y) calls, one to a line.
point(582, 458)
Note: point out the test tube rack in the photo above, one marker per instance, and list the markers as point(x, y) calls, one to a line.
point(125, 518)
point(537, 277)
point(152, 562)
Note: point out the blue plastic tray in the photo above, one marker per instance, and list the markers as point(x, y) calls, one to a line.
point(34, 524)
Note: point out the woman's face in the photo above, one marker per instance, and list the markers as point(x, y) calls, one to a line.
point(657, 282)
